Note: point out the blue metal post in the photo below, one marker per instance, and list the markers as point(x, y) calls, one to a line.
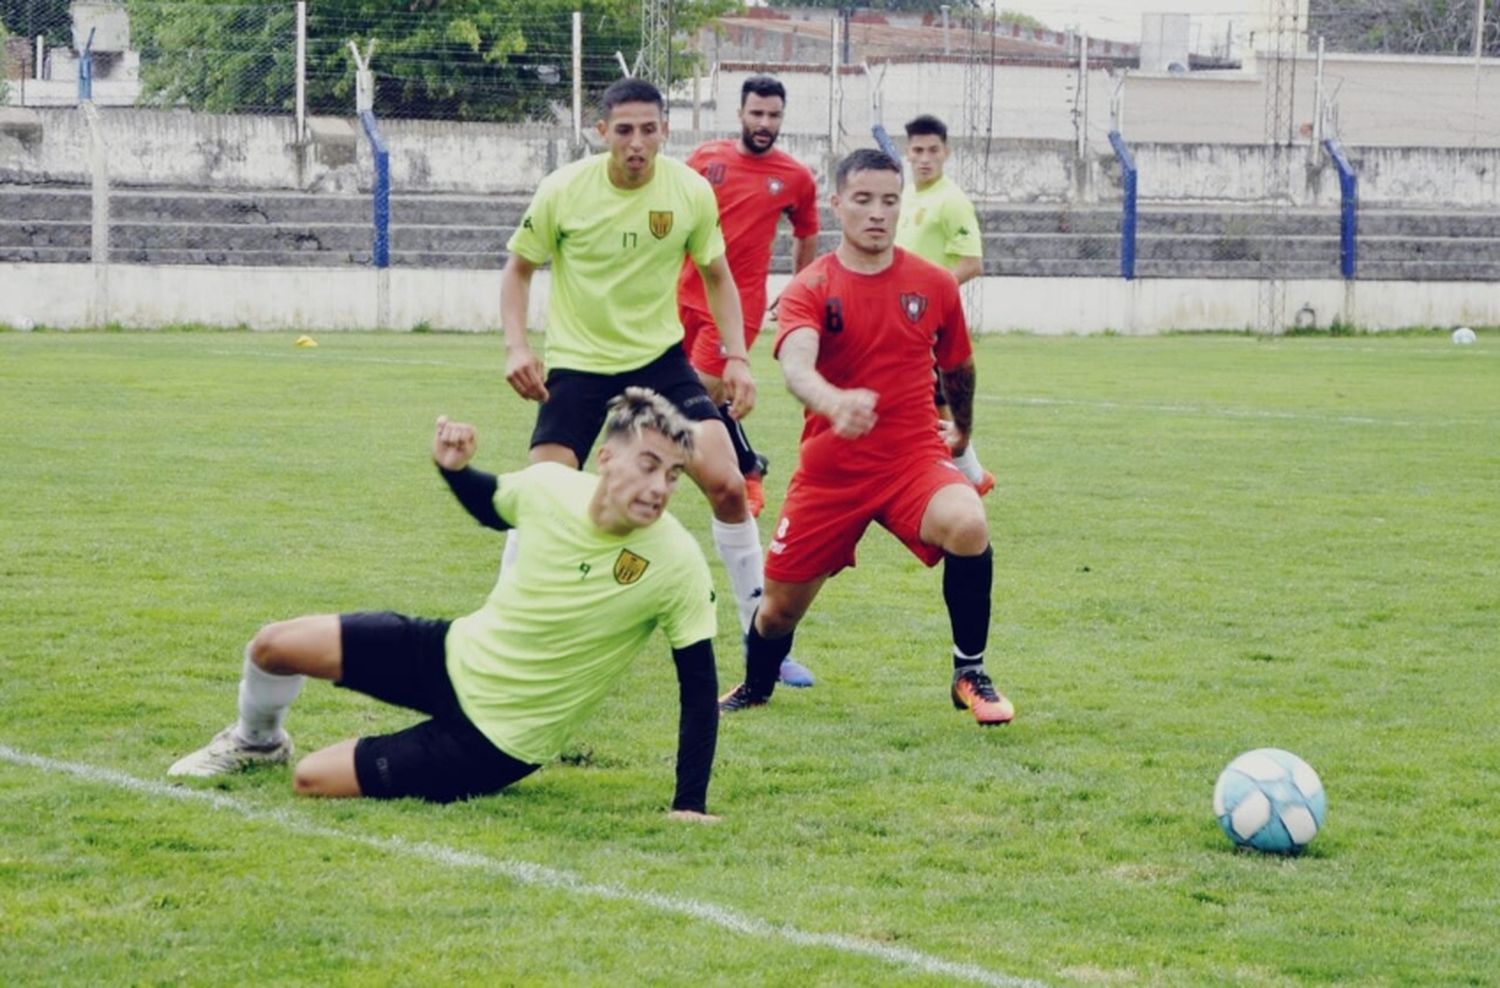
point(1348, 209)
point(381, 254)
point(1127, 220)
point(86, 70)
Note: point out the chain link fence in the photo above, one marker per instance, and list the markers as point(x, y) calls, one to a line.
point(1230, 147)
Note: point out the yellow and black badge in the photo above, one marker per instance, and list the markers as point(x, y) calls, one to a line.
point(661, 223)
point(629, 567)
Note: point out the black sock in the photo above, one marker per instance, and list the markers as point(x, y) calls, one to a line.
point(967, 581)
point(763, 660)
point(744, 456)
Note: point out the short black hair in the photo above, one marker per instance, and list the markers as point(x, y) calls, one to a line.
point(863, 160)
point(630, 90)
point(762, 85)
point(927, 124)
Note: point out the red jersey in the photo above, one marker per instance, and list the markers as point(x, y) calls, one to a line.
point(883, 332)
point(753, 192)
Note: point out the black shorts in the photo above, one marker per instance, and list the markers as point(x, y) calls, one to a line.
point(575, 408)
point(402, 660)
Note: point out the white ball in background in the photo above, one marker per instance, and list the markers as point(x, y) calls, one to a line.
point(1463, 336)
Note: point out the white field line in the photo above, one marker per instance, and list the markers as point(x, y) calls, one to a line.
point(525, 873)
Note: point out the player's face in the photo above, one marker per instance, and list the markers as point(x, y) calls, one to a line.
point(868, 207)
point(760, 122)
point(927, 154)
point(638, 475)
point(633, 133)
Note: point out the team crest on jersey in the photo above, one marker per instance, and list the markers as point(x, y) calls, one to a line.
point(913, 305)
point(774, 186)
point(716, 173)
point(629, 567)
point(661, 223)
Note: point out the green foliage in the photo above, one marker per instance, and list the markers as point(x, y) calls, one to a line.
point(1414, 27)
point(4, 68)
point(443, 59)
point(1203, 545)
point(29, 18)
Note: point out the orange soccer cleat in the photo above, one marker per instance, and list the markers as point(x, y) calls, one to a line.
point(755, 494)
point(972, 689)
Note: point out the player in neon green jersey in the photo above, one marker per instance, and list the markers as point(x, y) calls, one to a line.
point(602, 567)
point(615, 228)
point(938, 224)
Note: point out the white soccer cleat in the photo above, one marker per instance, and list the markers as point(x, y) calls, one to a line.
point(226, 753)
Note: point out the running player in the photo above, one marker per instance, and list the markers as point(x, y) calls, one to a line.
point(861, 330)
point(938, 223)
point(616, 227)
point(603, 566)
point(755, 185)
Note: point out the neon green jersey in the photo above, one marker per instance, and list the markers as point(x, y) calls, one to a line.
point(568, 616)
point(616, 254)
point(939, 224)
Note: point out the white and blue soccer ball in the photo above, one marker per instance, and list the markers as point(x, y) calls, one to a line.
point(1464, 336)
point(1270, 800)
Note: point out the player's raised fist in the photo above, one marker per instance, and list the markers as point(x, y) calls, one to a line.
point(453, 444)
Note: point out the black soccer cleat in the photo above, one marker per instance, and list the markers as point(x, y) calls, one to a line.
point(742, 697)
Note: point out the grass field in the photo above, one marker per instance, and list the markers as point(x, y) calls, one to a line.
point(1204, 545)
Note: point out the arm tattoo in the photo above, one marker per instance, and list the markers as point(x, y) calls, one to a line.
point(958, 386)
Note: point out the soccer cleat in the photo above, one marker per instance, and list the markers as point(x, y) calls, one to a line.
point(794, 673)
point(741, 697)
point(755, 494)
point(226, 753)
point(986, 484)
point(972, 689)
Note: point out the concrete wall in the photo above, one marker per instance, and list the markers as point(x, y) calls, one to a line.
point(156, 148)
point(63, 295)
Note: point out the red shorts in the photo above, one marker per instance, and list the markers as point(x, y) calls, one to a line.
point(701, 336)
point(823, 518)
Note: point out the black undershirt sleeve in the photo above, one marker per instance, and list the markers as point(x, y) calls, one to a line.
point(698, 728)
point(475, 490)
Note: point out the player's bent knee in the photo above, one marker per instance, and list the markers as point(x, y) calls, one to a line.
point(269, 648)
point(328, 773)
point(967, 535)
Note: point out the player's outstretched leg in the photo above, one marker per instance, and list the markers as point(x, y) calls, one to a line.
point(270, 679)
point(763, 661)
point(737, 541)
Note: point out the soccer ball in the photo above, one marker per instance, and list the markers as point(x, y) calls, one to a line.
point(1463, 336)
point(1270, 800)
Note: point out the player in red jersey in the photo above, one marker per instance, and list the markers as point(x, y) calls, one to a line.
point(756, 185)
point(861, 329)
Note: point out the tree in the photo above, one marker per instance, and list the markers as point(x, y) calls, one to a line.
point(438, 59)
point(1409, 27)
point(29, 18)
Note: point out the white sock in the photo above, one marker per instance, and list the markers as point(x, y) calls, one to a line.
point(969, 464)
point(512, 549)
point(739, 547)
point(264, 698)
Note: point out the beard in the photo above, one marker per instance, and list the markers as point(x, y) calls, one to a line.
point(748, 139)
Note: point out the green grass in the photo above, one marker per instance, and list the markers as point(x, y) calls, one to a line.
point(1203, 544)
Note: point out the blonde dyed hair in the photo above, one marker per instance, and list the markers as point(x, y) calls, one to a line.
point(636, 409)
